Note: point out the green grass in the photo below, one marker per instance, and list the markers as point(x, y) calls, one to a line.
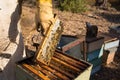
point(75, 6)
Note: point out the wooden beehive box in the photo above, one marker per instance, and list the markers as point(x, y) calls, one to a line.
point(93, 44)
point(61, 67)
point(93, 51)
point(110, 48)
point(111, 43)
point(72, 46)
point(93, 48)
point(95, 54)
point(109, 55)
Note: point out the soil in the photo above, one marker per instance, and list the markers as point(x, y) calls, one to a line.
point(75, 24)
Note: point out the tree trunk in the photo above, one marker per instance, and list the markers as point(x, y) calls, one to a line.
point(101, 3)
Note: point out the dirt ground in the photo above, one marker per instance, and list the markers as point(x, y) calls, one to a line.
point(74, 24)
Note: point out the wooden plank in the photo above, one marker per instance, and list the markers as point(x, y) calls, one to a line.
point(69, 62)
point(71, 59)
point(62, 71)
point(110, 40)
point(44, 71)
point(65, 68)
point(41, 75)
point(72, 44)
point(111, 44)
point(94, 44)
point(66, 64)
point(58, 74)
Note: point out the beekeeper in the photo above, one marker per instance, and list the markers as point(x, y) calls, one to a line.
point(11, 42)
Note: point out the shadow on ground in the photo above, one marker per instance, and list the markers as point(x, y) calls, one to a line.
point(113, 18)
point(107, 73)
